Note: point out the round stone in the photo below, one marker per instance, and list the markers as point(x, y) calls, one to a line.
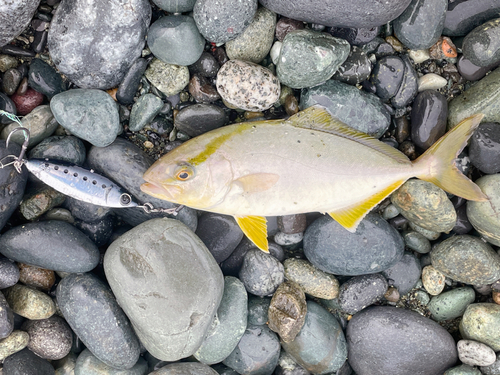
point(261, 273)
point(38, 278)
point(433, 280)
point(29, 303)
point(236, 83)
point(480, 46)
point(463, 370)
point(49, 338)
point(43, 78)
point(197, 119)
point(66, 148)
point(493, 369)
point(417, 242)
point(428, 118)
point(88, 364)
point(14, 343)
point(484, 149)
point(387, 76)
point(451, 304)
point(144, 111)
point(481, 322)
point(168, 78)
point(355, 69)
point(474, 353)
point(27, 363)
point(361, 291)
point(405, 274)
point(312, 280)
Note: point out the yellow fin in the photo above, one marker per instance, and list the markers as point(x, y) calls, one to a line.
point(255, 228)
point(349, 217)
point(253, 183)
point(437, 164)
point(318, 118)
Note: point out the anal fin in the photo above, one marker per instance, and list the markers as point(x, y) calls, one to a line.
point(350, 217)
point(255, 228)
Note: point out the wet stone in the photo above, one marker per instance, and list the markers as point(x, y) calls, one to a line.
point(15, 342)
point(256, 353)
point(484, 149)
point(286, 25)
point(119, 347)
point(11, 80)
point(27, 102)
point(387, 76)
point(98, 231)
point(6, 317)
point(374, 247)
point(405, 274)
point(52, 244)
point(312, 280)
point(421, 24)
point(144, 111)
point(256, 40)
point(463, 16)
point(224, 20)
point(6, 105)
point(407, 337)
point(480, 322)
point(176, 40)
point(261, 273)
point(361, 291)
point(231, 324)
point(85, 42)
point(236, 81)
point(15, 17)
point(472, 72)
point(38, 202)
point(197, 119)
point(428, 118)
point(309, 58)
point(202, 90)
point(66, 148)
point(168, 78)
point(206, 66)
point(409, 86)
point(158, 262)
point(85, 211)
point(88, 364)
point(426, 205)
point(433, 280)
point(29, 303)
point(355, 36)
point(44, 79)
point(355, 69)
point(9, 273)
point(38, 278)
point(27, 363)
point(320, 346)
point(474, 353)
point(359, 110)
point(467, 259)
point(287, 311)
point(49, 338)
point(130, 83)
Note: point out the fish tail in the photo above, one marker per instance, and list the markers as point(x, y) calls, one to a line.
point(437, 164)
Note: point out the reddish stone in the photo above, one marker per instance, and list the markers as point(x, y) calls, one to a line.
point(27, 102)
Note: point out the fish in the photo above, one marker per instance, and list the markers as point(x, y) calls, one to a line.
point(310, 162)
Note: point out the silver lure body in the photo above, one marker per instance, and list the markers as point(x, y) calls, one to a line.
point(80, 183)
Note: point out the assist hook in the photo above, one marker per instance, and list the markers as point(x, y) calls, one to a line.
point(18, 162)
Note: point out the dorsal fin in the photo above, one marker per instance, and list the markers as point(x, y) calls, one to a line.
point(318, 118)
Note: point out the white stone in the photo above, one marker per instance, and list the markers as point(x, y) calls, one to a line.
point(285, 239)
point(475, 353)
point(419, 56)
point(431, 81)
point(275, 51)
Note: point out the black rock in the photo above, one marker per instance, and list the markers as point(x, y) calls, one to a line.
point(206, 66)
point(386, 340)
point(130, 83)
point(355, 36)
point(463, 225)
point(484, 150)
point(15, 17)
point(86, 211)
point(6, 105)
point(405, 274)
point(464, 15)
point(44, 79)
point(9, 273)
point(473, 72)
point(428, 118)
point(387, 76)
point(480, 46)
point(409, 85)
point(26, 362)
point(361, 291)
point(355, 69)
point(6, 318)
point(98, 231)
point(197, 119)
point(66, 148)
point(40, 41)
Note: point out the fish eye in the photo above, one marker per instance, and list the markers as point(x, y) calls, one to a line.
point(184, 174)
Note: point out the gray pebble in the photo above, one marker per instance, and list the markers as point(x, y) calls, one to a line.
point(49, 338)
point(405, 274)
point(261, 273)
point(361, 291)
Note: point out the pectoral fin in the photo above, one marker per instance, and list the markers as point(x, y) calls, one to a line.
point(256, 182)
point(255, 228)
point(350, 217)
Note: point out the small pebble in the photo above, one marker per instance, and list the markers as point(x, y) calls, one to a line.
point(443, 49)
point(49, 338)
point(285, 239)
point(29, 303)
point(312, 280)
point(392, 294)
point(405, 274)
point(431, 81)
point(261, 273)
point(433, 280)
point(144, 111)
point(168, 78)
point(361, 291)
point(15, 342)
point(38, 278)
point(474, 353)
point(419, 56)
point(417, 242)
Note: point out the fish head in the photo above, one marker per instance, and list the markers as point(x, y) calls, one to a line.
point(191, 176)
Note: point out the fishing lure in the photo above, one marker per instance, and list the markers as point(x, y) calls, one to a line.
point(74, 181)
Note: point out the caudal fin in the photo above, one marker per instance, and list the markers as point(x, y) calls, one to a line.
point(438, 162)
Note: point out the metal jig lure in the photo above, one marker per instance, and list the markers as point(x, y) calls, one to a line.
point(79, 183)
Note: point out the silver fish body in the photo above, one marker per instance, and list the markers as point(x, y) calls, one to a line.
point(80, 183)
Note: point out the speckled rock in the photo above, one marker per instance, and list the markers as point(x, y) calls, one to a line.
point(480, 322)
point(433, 280)
point(361, 291)
point(49, 338)
point(474, 353)
point(29, 303)
point(426, 205)
point(175, 6)
point(483, 97)
point(257, 352)
point(386, 340)
point(89, 364)
point(95, 43)
point(52, 244)
point(312, 280)
point(258, 308)
point(65, 148)
point(320, 346)
point(256, 40)
point(463, 370)
point(421, 24)
point(26, 362)
point(89, 114)
point(467, 259)
point(374, 247)
point(144, 111)
point(358, 109)
point(9, 273)
point(38, 278)
point(355, 69)
point(463, 16)
point(309, 58)
point(6, 317)
point(405, 274)
point(119, 347)
point(15, 342)
point(261, 273)
point(176, 40)
point(169, 79)
point(482, 215)
point(14, 18)
point(229, 325)
point(409, 85)
point(184, 368)
point(223, 20)
point(355, 13)
point(493, 369)
point(480, 46)
point(484, 148)
point(168, 284)
point(451, 304)
point(236, 81)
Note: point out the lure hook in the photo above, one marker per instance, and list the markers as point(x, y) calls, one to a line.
point(149, 208)
point(19, 161)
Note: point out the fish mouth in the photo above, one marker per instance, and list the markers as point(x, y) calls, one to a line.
point(157, 191)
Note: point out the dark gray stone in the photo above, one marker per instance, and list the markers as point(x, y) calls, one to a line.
point(473, 72)
point(66, 148)
point(484, 149)
point(387, 76)
point(95, 43)
point(320, 346)
point(85, 211)
point(125, 163)
point(144, 111)
point(176, 40)
point(15, 17)
point(130, 83)
point(481, 46)
point(49, 338)
point(405, 274)
point(98, 231)
point(355, 36)
point(168, 283)
point(493, 369)
point(54, 245)
point(374, 247)
point(185, 368)
point(386, 340)
point(9, 273)
point(464, 15)
point(409, 85)
point(92, 312)
point(197, 119)
point(361, 291)
point(6, 318)
point(421, 24)
point(89, 364)
point(7, 105)
point(258, 308)
point(428, 118)
point(256, 353)
point(261, 273)
point(26, 362)
point(206, 66)
point(175, 6)
point(11, 80)
point(223, 20)
point(355, 69)
point(360, 110)
point(356, 13)
point(44, 79)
